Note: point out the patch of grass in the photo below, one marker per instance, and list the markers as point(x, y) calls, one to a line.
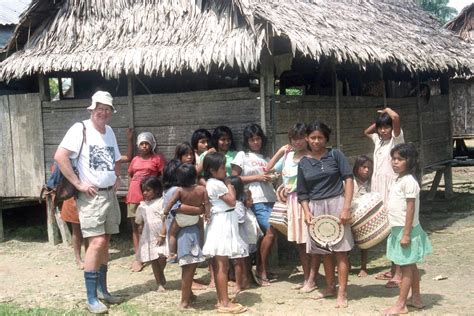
point(8, 309)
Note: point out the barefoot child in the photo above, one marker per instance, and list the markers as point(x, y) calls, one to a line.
point(189, 248)
point(363, 169)
point(222, 236)
point(248, 231)
point(407, 244)
point(148, 219)
point(188, 193)
point(146, 163)
point(385, 133)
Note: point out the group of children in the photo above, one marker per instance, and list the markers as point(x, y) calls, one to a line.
point(211, 201)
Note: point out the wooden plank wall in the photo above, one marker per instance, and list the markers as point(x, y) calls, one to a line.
point(437, 142)
point(6, 150)
point(462, 107)
point(170, 117)
point(22, 157)
point(357, 113)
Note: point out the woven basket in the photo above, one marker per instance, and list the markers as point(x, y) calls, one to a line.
point(372, 229)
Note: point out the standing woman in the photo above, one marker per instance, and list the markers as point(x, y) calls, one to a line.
point(251, 166)
point(325, 186)
point(286, 161)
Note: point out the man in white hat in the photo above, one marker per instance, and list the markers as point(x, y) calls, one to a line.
point(98, 170)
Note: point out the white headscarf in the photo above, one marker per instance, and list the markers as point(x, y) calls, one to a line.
point(147, 137)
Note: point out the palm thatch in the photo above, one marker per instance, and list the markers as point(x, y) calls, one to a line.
point(463, 24)
point(157, 37)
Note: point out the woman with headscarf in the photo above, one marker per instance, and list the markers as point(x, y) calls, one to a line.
point(146, 163)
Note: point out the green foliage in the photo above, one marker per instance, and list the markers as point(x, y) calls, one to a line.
point(439, 8)
point(53, 87)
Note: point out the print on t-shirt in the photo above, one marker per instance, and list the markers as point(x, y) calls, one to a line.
point(101, 158)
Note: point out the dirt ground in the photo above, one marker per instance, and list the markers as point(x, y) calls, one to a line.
point(39, 278)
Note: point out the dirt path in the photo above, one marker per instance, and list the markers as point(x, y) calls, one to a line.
point(35, 274)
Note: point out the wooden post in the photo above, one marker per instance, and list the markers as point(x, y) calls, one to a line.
point(384, 87)
point(1, 223)
point(420, 122)
point(448, 182)
point(338, 110)
point(63, 229)
point(445, 85)
point(43, 88)
point(130, 99)
point(53, 233)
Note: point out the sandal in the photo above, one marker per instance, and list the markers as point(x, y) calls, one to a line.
point(392, 284)
point(384, 275)
point(237, 309)
point(255, 277)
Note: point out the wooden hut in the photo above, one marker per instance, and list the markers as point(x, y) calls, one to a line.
point(175, 66)
point(462, 89)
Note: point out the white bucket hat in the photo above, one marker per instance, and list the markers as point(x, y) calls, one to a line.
point(102, 97)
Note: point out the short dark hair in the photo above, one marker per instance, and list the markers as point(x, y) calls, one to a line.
point(182, 149)
point(239, 188)
point(251, 131)
point(169, 174)
point(186, 175)
point(299, 129)
point(408, 151)
point(219, 132)
point(383, 120)
point(153, 183)
point(319, 126)
point(362, 159)
point(212, 161)
point(198, 135)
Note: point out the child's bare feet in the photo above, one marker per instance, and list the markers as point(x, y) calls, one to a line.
point(362, 273)
point(395, 310)
point(341, 301)
point(137, 266)
point(326, 292)
point(308, 287)
point(161, 289)
point(212, 285)
point(297, 286)
point(416, 302)
point(80, 264)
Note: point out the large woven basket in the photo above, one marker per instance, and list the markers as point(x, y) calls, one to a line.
point(363, 205)
point(372, 229)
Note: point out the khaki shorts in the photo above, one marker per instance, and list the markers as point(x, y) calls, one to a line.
point(132, 210)
point(100, 214)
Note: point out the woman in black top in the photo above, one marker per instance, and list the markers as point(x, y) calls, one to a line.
point(325, 186)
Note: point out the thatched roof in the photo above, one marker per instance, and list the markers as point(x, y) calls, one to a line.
point(156, 37)
point(463, 24)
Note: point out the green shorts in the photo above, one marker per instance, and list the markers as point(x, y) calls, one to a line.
point(100, 214)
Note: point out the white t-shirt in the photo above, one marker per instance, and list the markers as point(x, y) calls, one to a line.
point(96, 165)
point(402, 189)
point(215, 189)
point(254, 164)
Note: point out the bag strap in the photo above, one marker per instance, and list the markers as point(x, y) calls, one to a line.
point(83, 138)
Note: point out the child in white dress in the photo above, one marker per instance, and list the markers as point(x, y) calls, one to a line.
point(222, 236)
point(148, 219)
point(385, 133)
